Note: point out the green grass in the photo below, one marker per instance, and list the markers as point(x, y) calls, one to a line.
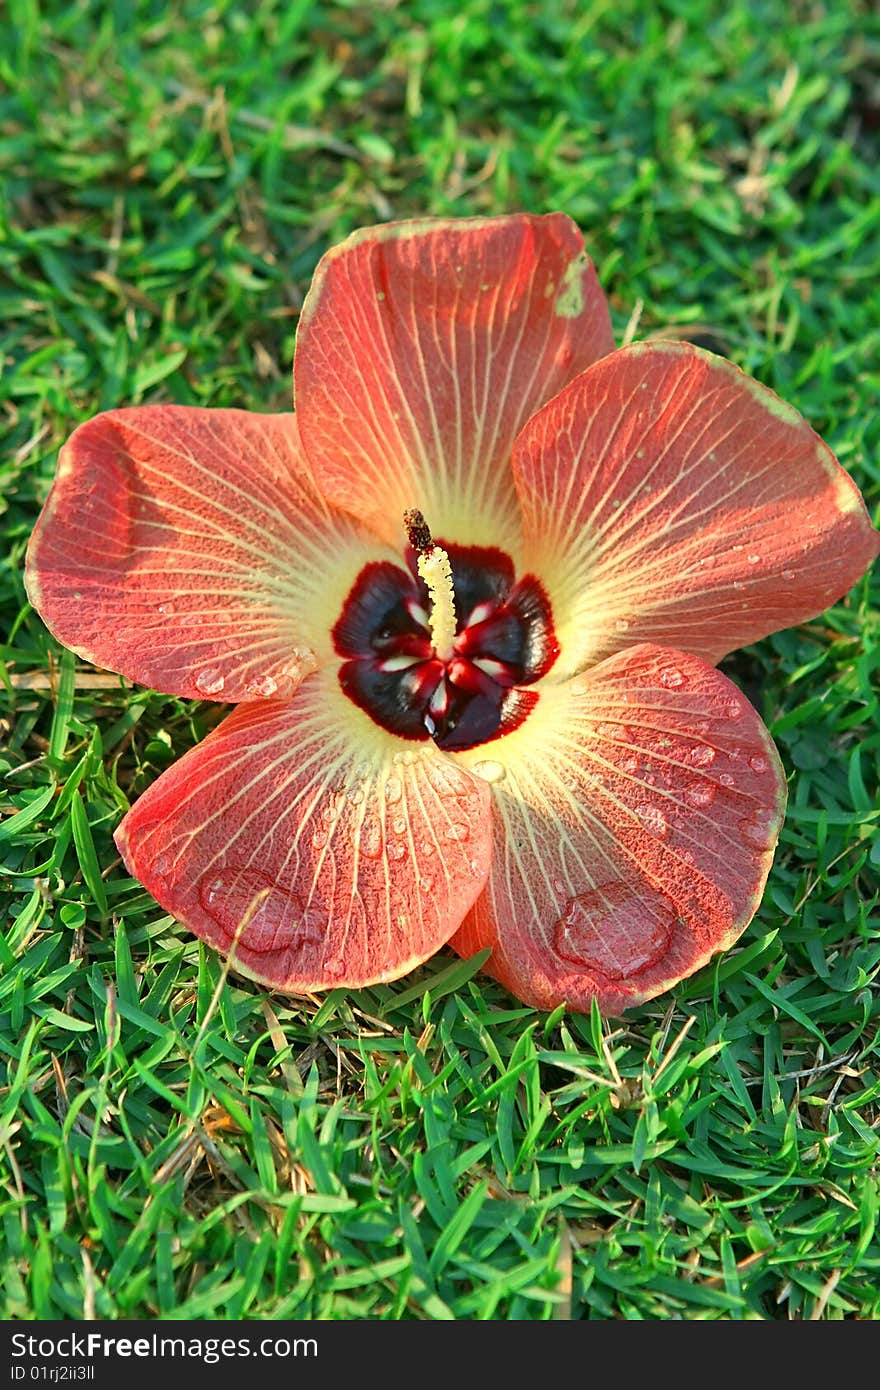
point(170, 175)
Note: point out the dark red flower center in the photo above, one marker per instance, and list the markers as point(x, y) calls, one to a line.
point(504, 640)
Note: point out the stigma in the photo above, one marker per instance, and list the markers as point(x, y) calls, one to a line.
point(435, 571)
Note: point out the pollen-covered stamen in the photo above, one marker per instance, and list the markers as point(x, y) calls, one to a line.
point(436, 573)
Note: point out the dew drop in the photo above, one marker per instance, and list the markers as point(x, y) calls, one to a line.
point(621, 624)
point(162, 864)
point(367, 838)
point(758, 764)
point(168, 607)
point(654, 820)
point(613, 931)
point(276, 918)
point(397, 850)
point(400, 825)
point(788, 574)
point(490, 771)
point(726, 780)
point(426, 848)
point(457, 832)
point(264, 686)
point(333, 965)
point(209, 681)
point(446, 779)
point(393, 790)
point(700, 794)
point(319, 839)
point(672, 678)
point(753, 559)
point(732, 709)
point(355, 795)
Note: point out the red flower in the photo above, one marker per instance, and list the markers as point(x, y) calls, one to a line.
point(510, 736)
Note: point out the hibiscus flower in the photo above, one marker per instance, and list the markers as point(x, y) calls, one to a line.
point(468, 602)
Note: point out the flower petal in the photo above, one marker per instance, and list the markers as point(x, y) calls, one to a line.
point(186, 549)
point(310, 846)
point(635, 820)
point(667, 497)
point(422, 349)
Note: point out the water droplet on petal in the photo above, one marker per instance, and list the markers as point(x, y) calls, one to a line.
point(457, 832)
point(400, 825)
point(319, 839)
point(209, 681)
point(167, 607)
point(726, 780)
point(672, 678)
point(368, 839)
point(161, 864)
point(653, 818)
point(393, 790)
point(397, 850)
point(613, 931)
point(446, 779)
point(276, 919)
point(758, 764)
point(264, 686)
point(621, 624)
point(789, 574)
point(333, 965)
point(490, 771)
point(732, 709)
point(701, 755)
point(700, 794)
point(753, 559)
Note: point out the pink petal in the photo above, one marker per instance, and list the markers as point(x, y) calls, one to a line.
point(187, 549)
point(423, 348)
point(668, 497)
point(636, 815)
point(335, 853)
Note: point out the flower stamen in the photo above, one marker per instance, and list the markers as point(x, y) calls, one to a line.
point(436, 573)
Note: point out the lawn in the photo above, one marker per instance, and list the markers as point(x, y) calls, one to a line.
point(174, 1143)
